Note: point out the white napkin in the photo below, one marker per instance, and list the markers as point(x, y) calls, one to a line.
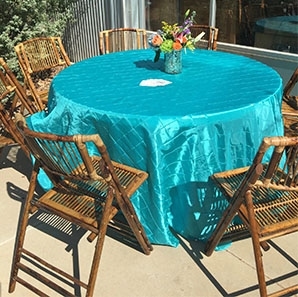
point(154, 82)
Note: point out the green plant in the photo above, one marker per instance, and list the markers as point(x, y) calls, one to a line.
point(24, 19)
point(174, 37)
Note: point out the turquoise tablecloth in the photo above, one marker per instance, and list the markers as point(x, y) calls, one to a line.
point(211, 117)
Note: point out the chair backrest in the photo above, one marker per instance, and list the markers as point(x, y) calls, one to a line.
point(40, 59)
point(278, 173)
point(66, 158)
point(121, 39)
point(42, 53)
point(209, 40)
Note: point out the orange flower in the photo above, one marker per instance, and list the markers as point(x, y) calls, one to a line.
point(156, 40)
point(184, 39)
point(177, 46)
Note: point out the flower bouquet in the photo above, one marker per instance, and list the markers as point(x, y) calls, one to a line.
point(173, 37)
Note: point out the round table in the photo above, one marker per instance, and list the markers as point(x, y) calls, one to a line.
point(209, 118)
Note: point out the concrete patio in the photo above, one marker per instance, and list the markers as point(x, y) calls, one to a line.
point(124, 271)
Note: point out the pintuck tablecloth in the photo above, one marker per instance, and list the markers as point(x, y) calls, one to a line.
point(179, 128)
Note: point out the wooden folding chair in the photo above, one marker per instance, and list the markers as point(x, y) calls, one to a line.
point(12, 100)
point(265, 196)
point(88, 191)
point(40, 60)
point(10, 86)
point(122, 39)
point(290, 106)
point(288, 97)
point(209, 40)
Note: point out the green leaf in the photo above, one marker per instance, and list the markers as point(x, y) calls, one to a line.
point(186, 13)
point(157, 55)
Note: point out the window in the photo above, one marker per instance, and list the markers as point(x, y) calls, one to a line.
point(270, 24)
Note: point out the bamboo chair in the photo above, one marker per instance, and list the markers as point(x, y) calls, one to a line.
point(209, 40)
point(288, 97)
point(122, 39)
point(40, 60)
point(12, 87)
point(265, 196)
point(12, 100)
point(88, 191)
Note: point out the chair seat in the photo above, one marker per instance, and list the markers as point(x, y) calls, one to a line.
point(273, 210)
point(44, 96)
point(73, 206)
point(292, 101)
point(67, 199)
point(5, 141)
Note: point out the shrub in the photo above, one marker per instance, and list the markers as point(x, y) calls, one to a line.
point(24, 19)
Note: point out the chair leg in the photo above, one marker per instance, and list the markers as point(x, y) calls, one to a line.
point(139, 232)
point(256, 245)
point(221, 227)
point(99, 243)
point(21, 232)
point(134, 223)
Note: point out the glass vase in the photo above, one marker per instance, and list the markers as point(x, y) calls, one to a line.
point(173, 62)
